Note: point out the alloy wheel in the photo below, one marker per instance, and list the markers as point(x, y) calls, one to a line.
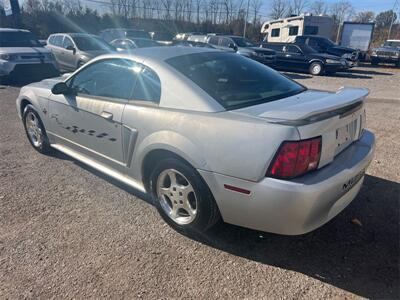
point(177, 196)
point(33, 129)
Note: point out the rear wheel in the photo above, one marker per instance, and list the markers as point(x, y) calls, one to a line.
point(182, 198)
point(316, 68)
point(35, 130)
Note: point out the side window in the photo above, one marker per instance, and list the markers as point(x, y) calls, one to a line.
point(314, 43)
point(224, 42)
point(67, 42)
point(275, 32)
point(58, 40)
point(293, 49)
point(95, 80)
point(311, 30)
point(294, 30)
point(148, 86)
point(51, 40)
point(213, 40)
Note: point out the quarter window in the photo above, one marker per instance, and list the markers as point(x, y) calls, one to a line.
point(148, 86)
point(294, 30)
point(275, 32)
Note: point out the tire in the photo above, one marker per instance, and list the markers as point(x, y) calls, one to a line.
point(35, 130)
point(197, 211)
point(316, 68)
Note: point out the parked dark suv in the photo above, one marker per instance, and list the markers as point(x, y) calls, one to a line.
point(324, 45)
point(387, 53)
point(243, 47)
point(302, 58)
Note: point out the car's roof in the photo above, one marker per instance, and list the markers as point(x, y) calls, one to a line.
point(162, 53)
point(13, 30)
point(393, 40)
point(74, 34)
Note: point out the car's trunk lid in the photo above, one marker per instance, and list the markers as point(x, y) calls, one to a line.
point(338, 118)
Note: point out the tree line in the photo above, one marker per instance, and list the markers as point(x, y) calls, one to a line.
point(44, 17)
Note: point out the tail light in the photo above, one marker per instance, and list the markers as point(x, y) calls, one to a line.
point(295, 158)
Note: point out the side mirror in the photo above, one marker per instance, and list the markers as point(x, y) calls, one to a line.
point(232, 46)
point(60, 88)
point(71, 48)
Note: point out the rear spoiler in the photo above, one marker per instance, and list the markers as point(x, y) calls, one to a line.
point(344, 102)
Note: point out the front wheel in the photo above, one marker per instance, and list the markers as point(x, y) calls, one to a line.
point(182, 198)
point(316, 68)
point(35, 130)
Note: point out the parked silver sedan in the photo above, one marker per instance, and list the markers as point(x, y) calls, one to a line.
point(208, 134)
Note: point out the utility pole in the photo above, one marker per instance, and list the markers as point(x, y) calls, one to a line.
point(245, 21)
point(391, 23)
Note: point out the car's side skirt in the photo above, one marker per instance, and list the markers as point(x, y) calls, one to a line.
point(100, 167)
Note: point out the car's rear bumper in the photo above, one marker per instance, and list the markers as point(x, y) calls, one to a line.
point(295, 206)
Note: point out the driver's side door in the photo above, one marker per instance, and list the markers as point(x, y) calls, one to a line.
point(88, 119)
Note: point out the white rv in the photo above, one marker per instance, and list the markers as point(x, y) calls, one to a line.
point(286, 30)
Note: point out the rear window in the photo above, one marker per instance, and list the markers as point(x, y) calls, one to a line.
point(233, 80)
point(91, 43)
point(19, 39)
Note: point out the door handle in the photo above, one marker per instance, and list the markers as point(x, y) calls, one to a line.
point(106, 115)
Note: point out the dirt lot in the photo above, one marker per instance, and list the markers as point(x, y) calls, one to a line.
point(68, 232)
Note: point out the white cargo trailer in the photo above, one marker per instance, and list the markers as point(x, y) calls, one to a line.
point(356, 35)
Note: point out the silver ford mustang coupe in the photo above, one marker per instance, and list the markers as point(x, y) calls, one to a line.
point(209, 134)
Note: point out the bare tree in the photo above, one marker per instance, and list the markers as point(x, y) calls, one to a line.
point(364, 17)
point(278, 9)
point(167, 4)
point(342, 11)
point(255, 8)
point(297, 6)
point(319, 7)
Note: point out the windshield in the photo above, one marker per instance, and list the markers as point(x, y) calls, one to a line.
point(90, 43)
point(392, 44)
point(18, 39)
point(327, 42)
point(137, 34)
point(162, 36)
point(143, 43)
point(242, 42)
point(233, 80)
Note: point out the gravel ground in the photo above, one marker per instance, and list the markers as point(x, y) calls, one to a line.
point(68, 232)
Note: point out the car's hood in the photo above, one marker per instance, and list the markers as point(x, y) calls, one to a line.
point(256, 49)
point(394, 49)
point(47, 83)
point(343, 49)
point(24, 50)
point(94, 53)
